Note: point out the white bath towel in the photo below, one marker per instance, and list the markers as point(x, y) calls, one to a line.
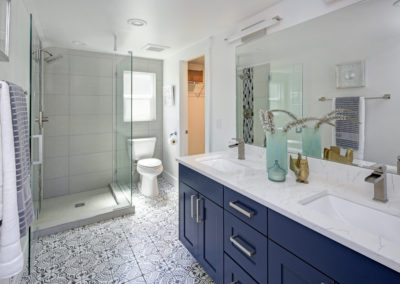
point(11, 257)
point(347, 134)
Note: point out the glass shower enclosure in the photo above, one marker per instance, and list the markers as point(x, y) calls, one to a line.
point(123, 165)
point(67, 210)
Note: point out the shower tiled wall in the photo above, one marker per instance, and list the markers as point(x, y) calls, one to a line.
point(79, 91)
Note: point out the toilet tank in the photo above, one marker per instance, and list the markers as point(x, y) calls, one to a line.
point(142, 148)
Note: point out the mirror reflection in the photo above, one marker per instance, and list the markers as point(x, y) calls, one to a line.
point(345, 74)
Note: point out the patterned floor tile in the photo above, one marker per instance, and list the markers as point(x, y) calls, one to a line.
point(138, 248)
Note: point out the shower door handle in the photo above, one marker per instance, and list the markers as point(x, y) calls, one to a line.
point(41, 119)
point(40, 148)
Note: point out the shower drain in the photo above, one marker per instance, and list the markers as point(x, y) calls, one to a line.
point(79, 204)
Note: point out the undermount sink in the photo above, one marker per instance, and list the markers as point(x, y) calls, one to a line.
point(363, 217)
point(223, 165)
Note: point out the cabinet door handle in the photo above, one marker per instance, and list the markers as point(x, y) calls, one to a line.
point(241, 247)
point(192, 206)
point(248, 214)
point(235, 282)
point(198, 220)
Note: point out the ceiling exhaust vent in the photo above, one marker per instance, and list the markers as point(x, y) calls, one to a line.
point(155, 47)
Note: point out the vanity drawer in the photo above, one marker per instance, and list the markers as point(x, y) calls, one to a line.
point(233, 273)
point(246, 210)
point(246, 246)
point(207, 187)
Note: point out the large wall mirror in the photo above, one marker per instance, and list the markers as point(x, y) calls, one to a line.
point(5, 15)
point(348, 59)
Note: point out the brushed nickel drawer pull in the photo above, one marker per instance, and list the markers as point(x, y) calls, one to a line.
point(198, 220)
point(191, 206)
point(248, 214)
point(241, 247)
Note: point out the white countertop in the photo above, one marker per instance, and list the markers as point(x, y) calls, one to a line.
point(285, 198)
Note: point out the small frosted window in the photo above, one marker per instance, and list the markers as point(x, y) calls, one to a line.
point(140, 104)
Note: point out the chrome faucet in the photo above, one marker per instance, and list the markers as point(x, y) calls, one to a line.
point(378, 178)
point(240, 146)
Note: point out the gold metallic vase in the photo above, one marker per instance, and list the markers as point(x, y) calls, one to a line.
point(300, 168)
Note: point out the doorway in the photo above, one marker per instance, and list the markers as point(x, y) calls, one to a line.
point(196, 106)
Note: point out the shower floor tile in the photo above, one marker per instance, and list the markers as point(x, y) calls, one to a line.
point(63, 209)
point(140, 248)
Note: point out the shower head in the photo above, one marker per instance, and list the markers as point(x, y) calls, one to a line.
point(52, 58)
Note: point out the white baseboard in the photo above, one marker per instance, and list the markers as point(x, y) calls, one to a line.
point(170, 178)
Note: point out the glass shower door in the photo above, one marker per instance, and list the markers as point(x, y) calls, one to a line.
point(123, 167)
point(36, 106)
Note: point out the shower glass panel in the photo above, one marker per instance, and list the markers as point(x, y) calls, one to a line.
point(123, 174)
point(36, 105)
point(286, 92)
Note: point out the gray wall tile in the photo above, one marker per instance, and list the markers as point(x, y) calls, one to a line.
point(88, 144)
point(90, 163)
point(89, 181)
point(56, 84)
point(91, 105)
point(55, 146)
point(57, 126)
point(55, 167)
point(90, 124)
point(55, 187)
point(91, 85)
point(92, 66)
point(56, 104)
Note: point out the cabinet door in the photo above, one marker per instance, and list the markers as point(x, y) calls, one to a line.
point(188, 228)
point(286, 268)
point(211, 246)
point(233, 273)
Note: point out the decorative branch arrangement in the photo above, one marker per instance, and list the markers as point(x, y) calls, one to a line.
point(338, 114)
point(267, 119)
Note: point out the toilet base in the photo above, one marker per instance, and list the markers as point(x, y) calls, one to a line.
point(148, 186)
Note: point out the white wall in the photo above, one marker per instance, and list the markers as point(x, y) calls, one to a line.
point(16, 70)
point(222, 73)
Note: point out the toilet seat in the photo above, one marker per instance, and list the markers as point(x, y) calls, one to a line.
point(149, 163)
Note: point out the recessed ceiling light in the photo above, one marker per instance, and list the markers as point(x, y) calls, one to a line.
point(137, 22)
point(79, 43)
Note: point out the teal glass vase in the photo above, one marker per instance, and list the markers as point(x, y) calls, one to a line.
point(277, 158)
point(311, 142)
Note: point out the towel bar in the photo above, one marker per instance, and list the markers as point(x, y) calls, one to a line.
point(384, 97)
point(25, 92)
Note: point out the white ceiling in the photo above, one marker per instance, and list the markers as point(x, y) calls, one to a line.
point(174, 23)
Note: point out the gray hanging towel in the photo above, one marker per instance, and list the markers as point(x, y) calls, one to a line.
point(20, 123)
point(349, 134)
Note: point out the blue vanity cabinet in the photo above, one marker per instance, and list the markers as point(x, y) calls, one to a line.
point(201, 220)
point(286, 268)
point(211, 243)
point(237, 240)
point(233, 273)
point(188, 227)
point(344, 265)
point(247, 210)
point(246, 246)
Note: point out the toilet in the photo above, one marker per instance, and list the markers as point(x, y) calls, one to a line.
point(147, 166)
